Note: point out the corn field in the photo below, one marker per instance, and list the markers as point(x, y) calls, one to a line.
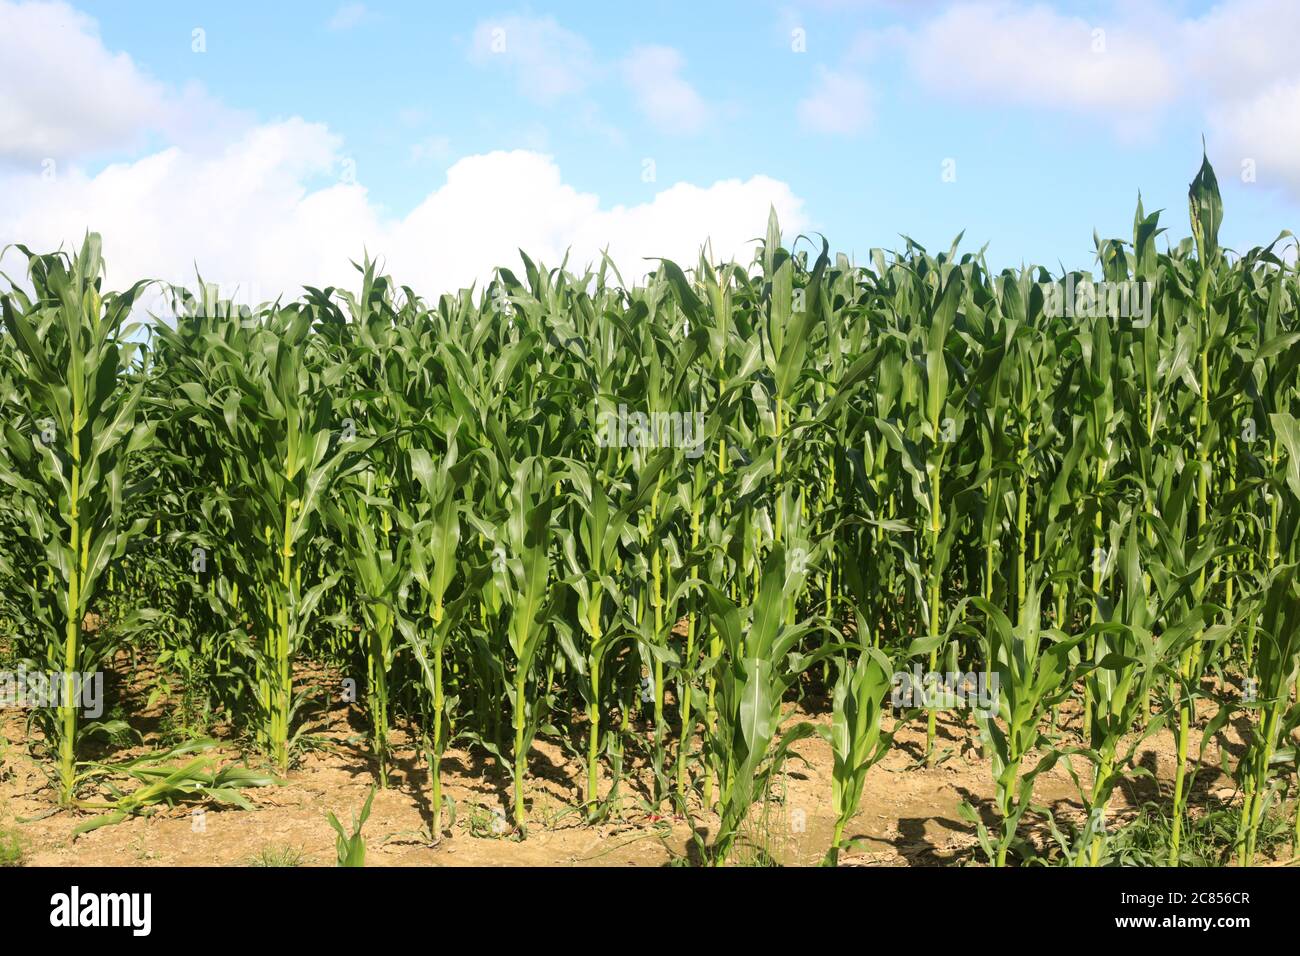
point(687, 523)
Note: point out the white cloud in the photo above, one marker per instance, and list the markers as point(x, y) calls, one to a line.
point(1235, 64)
point(61, 92)
point(348, 16)
point(1033, 55)
point(1240, 46)
point(64, 96)
point(840, 104)
point(1265, 130)
point(662, 94)
point(244, 213)
point(547, 61)
point(550, 63)
point(271, 207)
point(267, 214)
point(1241, 61)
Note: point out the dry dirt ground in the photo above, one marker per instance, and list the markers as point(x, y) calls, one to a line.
point(908, 815)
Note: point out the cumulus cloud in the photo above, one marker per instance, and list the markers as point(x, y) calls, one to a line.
point(839, 104)
point(1034, 55)
point(494, 204)
point(1264, 130)
point(1239, 47)
point(546, 60)
point(665, 97)
point(61, 92)
point(1128, 59)
point(64, 97)
point(1234, 63)
point(269, 213)
point(550, 63)
point(273, 206)
point(243, 213)
point(1241, 61)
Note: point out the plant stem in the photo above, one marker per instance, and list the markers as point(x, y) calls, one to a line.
point(521, 758)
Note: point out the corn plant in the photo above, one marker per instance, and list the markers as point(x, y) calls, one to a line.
point(352, 846)
point(759, 663)
point(433, 526)
point(857, 738)
point(1034, 671)
point(592, 555)
point(197, 779)
point(522, 570)
point(1276, 667)
point(64, 465)
point(907, 457)
point(1206, 213)
point(1135, 650)
point(275, 446)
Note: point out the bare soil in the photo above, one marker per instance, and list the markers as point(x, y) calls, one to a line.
point(908, 815)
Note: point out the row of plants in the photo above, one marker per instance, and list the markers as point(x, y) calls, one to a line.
point(647, 520)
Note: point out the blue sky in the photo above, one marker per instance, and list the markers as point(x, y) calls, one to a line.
point(300, 133)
